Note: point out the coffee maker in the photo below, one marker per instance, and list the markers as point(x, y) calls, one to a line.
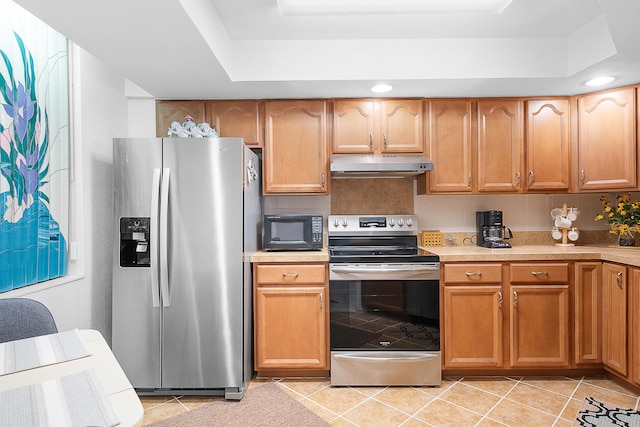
point(490, 231)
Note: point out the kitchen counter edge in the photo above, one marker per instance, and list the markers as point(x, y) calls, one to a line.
point(623, 255)
point(291, 256)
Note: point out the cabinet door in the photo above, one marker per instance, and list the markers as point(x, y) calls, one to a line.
point(500, 138)
point(168, 112)
point(290, 327)
point(547, 145)
point(401, 126)
point(236, 119)
point(614, 317)
point(449, 146)
point(295, 152)
point(472, 326)
point(539, 329)
point(634, 335)
point(354, 128)
point(588, 313)
point(607, 141)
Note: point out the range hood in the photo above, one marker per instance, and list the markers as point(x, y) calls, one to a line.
point(385, 166)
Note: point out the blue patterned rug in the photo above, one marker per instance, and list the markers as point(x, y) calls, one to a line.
point(598, 414)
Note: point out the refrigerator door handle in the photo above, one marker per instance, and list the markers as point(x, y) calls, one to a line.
point(164, 231)
point(153, 237)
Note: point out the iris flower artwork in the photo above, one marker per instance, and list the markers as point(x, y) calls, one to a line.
point(32, 249)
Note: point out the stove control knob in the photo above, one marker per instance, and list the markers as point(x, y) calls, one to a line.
point(392, 222)
point(336, 223)
point(400, 222)
point(344, 223)
point(409, 222)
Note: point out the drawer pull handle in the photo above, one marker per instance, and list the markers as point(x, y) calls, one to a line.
point(473, 273)
point(539, 273)
point(499, 299)
point(515, 299)
point(619, 279)
point(290, 275)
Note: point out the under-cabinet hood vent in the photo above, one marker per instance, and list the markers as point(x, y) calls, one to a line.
point(386, 166)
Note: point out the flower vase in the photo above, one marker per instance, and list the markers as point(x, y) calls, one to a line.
point(626, 240)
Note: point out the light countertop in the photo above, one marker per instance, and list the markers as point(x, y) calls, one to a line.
point(291, 256)
point(623, 255)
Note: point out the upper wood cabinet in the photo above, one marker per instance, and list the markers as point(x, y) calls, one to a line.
point(168, 112)
point(606, 143)
point(500, 136)
point(295, 147)
point(373, 126)
point(449, 144)
point(236, 119)
point(547, 145)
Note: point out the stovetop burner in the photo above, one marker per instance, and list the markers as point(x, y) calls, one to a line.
point(375, 239)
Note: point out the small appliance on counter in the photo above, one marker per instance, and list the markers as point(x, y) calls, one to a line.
point(292, 232)
point(490, 231)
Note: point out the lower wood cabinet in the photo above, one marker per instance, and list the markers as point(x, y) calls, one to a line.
point(499, 315)
point(291, 318)
point(614, 317)
point(539, 326)
point(587, 314)
point(634, 303)
point(473, 316)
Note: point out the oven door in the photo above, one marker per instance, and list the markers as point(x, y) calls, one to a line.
point(385, 327)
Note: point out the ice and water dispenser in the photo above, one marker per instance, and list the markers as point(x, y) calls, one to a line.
point(134, 242)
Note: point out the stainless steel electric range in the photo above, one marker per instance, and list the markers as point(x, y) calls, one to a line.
point(384, 292)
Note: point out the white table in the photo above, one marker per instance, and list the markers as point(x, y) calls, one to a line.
point(122, 397)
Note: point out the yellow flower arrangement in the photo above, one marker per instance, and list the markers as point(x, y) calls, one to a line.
point(624, 217)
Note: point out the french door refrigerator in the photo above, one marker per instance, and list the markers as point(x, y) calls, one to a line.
point(187, 218)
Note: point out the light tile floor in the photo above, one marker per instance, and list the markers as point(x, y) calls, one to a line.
point(466, 401)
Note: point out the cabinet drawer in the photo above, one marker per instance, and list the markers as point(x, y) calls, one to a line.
point(540, 273)
point(293, 273)
point(472, 273)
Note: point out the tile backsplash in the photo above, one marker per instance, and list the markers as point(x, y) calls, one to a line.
point(447, 213)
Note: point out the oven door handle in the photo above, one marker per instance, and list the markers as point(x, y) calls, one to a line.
point(404, 358)
point(401, 269)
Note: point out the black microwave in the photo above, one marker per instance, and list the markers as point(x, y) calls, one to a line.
point(292, 232)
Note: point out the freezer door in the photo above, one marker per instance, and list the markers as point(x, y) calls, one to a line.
point(136, 322)
point(203, 305)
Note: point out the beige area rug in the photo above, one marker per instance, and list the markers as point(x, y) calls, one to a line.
point(263, 406)
point(594, 413)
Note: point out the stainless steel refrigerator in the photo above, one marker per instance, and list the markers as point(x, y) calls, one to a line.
point(187, 218)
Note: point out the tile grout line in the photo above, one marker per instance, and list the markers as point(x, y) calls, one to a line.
point(500, 400)
point(564, 408)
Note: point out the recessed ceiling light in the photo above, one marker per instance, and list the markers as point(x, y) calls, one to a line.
point(599, 81)
point(396, 7)
point(381, 88)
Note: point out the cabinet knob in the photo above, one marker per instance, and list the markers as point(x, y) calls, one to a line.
point(473, 273)
point(539, 273)
point(499, 299)
point(370, 140)
point(469, 179)
point(531, 177)
point(384, 140)
point(290, 275)
point(515, 299)
point(322, 179)
point(517, 179)
point(582, 176)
